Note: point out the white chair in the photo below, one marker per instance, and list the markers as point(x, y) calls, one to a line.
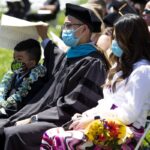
point(144, 135)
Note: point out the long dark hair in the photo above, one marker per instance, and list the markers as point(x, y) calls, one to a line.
point(132, 35)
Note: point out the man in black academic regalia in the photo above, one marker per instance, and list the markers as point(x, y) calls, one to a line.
point(74, 83)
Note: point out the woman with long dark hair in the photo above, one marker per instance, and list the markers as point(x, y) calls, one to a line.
point(126, 90)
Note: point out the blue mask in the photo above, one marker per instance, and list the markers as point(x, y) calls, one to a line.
point(116, 50)
point(69, 37)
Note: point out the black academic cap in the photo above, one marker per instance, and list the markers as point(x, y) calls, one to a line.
point(111, 18)
point(85, 15)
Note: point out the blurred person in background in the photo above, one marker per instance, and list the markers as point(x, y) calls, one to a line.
point(47, 12)
point(17, 8)
point(146, 14)
point(139, 5)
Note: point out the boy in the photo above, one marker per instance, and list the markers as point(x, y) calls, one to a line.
point(22, 83)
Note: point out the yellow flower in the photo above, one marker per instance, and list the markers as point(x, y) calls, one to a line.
point(107, 132)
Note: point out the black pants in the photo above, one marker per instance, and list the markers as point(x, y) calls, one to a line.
point(2, 138)
point(24, 137)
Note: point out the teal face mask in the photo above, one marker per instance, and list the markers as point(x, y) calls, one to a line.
point(116, 50)
point(69, 38)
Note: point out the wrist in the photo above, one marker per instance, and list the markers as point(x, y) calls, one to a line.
point(97, 117)
point(34, 118)
point(43, 37)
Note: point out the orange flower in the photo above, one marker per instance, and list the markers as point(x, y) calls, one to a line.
point(113, 129)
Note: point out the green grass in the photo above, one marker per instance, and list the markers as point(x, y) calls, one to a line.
point(83, 1)
point(5, 61)
point(146, 142)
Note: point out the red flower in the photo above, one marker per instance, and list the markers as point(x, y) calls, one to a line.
point(113, 128)
point(102, 138)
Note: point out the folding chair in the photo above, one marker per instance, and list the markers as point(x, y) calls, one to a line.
point(144, 135)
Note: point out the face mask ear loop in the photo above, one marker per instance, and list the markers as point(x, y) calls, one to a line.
point(77, 30)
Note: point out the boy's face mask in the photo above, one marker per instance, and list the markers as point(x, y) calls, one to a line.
point(22, 60)
point(17, 66)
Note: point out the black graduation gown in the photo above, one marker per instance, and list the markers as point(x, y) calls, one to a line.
point(73, 86)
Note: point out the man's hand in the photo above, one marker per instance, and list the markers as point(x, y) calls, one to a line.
point(42, 31)
point(23, 122)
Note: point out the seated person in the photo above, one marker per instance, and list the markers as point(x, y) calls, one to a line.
point(17, 8)
point(119, 9)
point(22, 83)
point(126, 91)
point(138, 5)
point(48, 11)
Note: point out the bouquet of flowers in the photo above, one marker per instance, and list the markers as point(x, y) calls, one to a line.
point(108, 134)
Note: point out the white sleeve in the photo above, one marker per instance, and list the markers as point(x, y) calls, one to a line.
point(137, 95)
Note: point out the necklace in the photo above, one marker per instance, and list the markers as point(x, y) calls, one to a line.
point(24, 88)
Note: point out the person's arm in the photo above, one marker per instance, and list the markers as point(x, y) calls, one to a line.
point(43, 31)
point(5, 85)
point(52, 53)
point(52, 5)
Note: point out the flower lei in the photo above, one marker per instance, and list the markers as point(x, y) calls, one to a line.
point(110, 134)
point(23, 90)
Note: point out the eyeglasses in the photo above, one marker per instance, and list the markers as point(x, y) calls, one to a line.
point(70, 25)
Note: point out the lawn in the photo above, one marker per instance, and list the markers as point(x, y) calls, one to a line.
point(5, 61)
